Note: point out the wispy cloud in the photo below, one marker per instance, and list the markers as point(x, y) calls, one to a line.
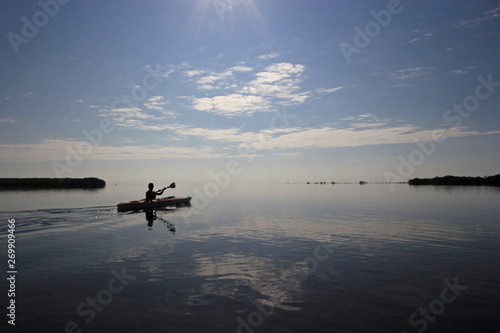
point(410, 73)
point(214, 80)
point(241, 69)
point(459, 72)
point(232, 105)
point(143, 117)
point(208, 80)
point(276, 84)
point(126, 113)
point(269, 56)
point(355, 131)
point(158, 103)
point(195, 72)
point(374, 134)
point(280, 81)
point(238, 90)
point(7, 120)
point(56, 150)
point(362, 130)
point(487, 16)
point(328, 91)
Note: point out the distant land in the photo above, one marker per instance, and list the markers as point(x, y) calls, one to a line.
point(454, 180)
point(51, 183)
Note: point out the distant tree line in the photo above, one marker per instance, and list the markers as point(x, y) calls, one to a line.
point(90, 182)
point(454, 180)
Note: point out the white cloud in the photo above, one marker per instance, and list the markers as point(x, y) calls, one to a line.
point(410, 73)
point(487, 16)
point(137, 118)
point(367, 125)
point(213, 80)
point(288, 154)
point(126, 113)
point(232, 135)
point(241, 69)
point(362, 130)
point(459, 72)
point(7, 120)
point(279, 81)
point(137, 124)
point(156, 103)
point(359, 117)
point(167, 73)
point(330, 137)
point(232, 105)
point(213, 77)
point(269, 56)
point(193, 73)
point(56, 150)
point(328, 91)
point(219, 135)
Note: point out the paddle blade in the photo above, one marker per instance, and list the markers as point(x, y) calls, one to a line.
point(172, 185)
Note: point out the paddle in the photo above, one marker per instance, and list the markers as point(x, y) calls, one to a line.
point(171, 186)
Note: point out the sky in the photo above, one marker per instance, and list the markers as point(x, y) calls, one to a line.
point(249, 90)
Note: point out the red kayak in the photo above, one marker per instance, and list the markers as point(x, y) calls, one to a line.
point(157, 203)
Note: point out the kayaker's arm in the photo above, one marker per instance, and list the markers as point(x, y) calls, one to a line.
point(160, 192)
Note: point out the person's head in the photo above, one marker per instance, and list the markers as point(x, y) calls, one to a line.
point(151, 185)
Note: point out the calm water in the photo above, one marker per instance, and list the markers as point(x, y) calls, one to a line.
point(277, 258)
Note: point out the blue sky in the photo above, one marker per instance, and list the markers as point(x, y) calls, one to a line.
point(290, 90)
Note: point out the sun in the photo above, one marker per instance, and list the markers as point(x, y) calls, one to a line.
point(224, 14)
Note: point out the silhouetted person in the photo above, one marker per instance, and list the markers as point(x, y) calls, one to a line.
point(151, 195)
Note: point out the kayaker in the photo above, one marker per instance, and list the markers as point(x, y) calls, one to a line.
point(151, 195)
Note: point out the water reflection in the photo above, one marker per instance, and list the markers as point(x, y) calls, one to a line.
point(337, 261)
point(151, 216)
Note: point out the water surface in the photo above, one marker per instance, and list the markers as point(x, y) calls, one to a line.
point(274, 258)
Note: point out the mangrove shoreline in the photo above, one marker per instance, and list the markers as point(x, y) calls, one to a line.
point(51, 183)
point(461, 181)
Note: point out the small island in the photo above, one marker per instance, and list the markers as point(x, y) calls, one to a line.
point(51, 183)
point(461, 181)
